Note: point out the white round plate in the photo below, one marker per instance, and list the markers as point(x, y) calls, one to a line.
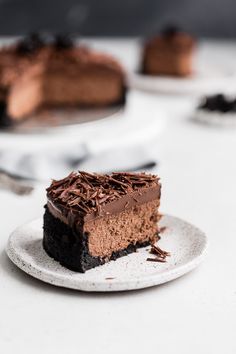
point(61, 118)
point(140, 121)
point(186, 243)
point(214, 118)
point(200, 83)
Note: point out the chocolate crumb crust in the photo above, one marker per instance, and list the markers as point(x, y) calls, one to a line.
point(71, 249)
point(5, 120)
point(83, 195)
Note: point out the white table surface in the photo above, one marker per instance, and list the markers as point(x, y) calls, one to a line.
point(194, 314)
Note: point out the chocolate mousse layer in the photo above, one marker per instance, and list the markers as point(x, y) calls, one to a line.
point(91, 219)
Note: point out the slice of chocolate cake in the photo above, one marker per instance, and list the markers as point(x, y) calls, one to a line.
point(169, 53)
point(91, 218)
point(70, 77)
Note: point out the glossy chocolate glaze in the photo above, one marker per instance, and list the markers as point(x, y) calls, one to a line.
point(82, 197)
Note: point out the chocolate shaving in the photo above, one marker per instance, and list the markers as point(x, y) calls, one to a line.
point(126, 205)
point(135, 199)
point(86, 192)
point(163, 229)
point(161, 260)
point(159, 253)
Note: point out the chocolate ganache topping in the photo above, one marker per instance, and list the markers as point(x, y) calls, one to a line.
point(84, 196)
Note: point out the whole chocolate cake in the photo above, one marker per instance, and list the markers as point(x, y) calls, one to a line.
point(64, 78)
point(36, 74)
point(169, 53)
point(93, 218)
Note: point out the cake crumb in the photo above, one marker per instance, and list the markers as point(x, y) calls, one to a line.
point(163, 229)
point(157, 259)
point(159, 253)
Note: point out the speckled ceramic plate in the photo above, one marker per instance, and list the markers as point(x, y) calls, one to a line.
point(186, 243)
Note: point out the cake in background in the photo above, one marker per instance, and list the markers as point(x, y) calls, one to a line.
point(169, 53)
point(93, 218)
point(37, 73)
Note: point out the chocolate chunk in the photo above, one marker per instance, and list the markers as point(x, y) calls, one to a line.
point(218, 103)
point(63, 41)
point(30, 44)
point(171, 30)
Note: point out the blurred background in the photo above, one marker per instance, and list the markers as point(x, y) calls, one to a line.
point(211, 18)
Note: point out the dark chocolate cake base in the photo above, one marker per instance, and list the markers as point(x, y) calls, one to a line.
point(71, 250)
point(5, 120)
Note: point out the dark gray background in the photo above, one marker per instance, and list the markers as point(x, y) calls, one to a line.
point(208, 18)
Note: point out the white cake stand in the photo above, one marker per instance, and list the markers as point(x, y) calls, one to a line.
point(140, 121)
